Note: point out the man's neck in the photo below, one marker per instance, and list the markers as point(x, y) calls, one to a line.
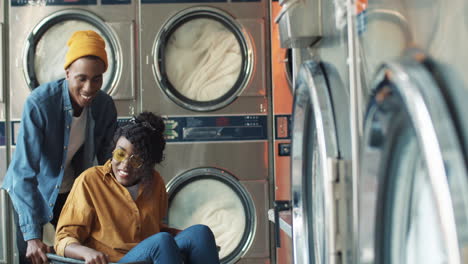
point(77, 110)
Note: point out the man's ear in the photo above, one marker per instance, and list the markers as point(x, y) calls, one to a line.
point(67, 73)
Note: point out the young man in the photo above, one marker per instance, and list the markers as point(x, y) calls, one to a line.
point(66, 127)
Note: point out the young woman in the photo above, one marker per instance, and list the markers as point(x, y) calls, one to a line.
point(114, 212)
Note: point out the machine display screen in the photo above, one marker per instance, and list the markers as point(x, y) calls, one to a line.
point(52, 2)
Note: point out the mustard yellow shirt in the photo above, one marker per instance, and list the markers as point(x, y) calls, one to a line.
point(101, 214)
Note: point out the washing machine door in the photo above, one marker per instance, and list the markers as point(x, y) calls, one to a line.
point(314, 144)
point(46, 46)
point(203, 59)
point(413, 185)
point(215, 198)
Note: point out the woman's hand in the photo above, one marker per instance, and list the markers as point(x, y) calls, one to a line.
point(89, 255)
point(95, 257)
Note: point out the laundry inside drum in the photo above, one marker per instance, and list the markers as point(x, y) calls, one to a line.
point(213, 203)
point(51, 49)
point(203, 59)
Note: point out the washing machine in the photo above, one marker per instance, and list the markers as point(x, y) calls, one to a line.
point(3, 83)
point(320, 167)
point(38, 33)
point(204, 57)
point(3, 139)
point(203, 67)
point(321, 187)
point(413, 203)
point(38, 37)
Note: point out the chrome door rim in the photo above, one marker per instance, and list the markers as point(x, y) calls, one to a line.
point(312, 89)
point(225, 177)
point(244, 42)
point(72, 14)
point(435, 132)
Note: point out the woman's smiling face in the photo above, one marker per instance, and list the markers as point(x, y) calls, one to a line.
point(125, 162)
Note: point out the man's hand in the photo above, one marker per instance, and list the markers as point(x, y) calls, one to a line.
point(36, 251)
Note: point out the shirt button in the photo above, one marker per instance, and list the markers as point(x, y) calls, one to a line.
point(56, 186)
point(51, 216)
point(68, 127)
point(61, 167)
point(64, 147)
point(51, 205)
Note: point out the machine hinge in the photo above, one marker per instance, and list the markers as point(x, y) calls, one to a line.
point(340, 176)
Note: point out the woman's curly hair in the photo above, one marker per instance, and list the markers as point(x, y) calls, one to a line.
point(146, 133)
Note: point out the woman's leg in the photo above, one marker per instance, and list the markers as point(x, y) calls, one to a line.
point(158, 248)
point(198, 244)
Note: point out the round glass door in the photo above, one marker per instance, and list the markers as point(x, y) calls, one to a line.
point(313, 142)
point(46, 47)
point(417, 176)
point(226, 208)
point(203, 60)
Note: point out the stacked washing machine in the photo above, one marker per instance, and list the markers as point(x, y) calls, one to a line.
point(39, 31)
point(3, 138)
point(413, 185)
point(38, 46)
point(203, 66)
point(321, 143)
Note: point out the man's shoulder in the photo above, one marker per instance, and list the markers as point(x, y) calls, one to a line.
point(47, 92)
point(103, 97)
point(103, 106)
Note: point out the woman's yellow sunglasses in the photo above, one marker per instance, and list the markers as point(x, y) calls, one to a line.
point(121, 155)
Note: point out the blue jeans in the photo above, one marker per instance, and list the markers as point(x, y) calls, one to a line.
point(194, 245)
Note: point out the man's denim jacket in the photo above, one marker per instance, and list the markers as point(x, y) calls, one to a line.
point(35, 174)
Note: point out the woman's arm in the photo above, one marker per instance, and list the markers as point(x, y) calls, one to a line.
point(89, 255)
point(76, 218)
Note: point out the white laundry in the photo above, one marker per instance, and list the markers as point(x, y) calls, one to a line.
point(220, 208)
point(226, 219)
point(203, 59)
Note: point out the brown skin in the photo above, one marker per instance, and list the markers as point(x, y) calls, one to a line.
point(36, 251)
point(89, 255)
point(126, 175)
point(84, 78)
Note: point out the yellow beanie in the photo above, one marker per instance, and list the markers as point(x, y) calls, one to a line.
point(85, 43)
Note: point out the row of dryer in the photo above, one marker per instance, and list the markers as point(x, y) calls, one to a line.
point(379, 132)
point(201, 64)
